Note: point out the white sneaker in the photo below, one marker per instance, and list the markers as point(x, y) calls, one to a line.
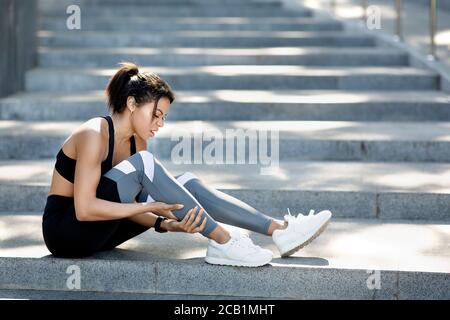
point(300, 231)
point(238, 251)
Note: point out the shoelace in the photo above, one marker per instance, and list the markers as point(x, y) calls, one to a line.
point(289, 216)
point(245, 242)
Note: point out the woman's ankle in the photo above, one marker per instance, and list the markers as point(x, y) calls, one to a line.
point(220, 235)
point(276, 225)
point(224, 239)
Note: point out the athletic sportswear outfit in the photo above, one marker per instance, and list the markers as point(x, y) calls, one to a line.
point(141, 177)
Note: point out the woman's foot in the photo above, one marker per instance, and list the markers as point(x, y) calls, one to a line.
point(300, 231)
point(238, 251)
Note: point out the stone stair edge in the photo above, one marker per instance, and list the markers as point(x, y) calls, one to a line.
point(396, 283)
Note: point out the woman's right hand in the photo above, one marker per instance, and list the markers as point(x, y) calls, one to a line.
point(164, 209)
point(189, 224)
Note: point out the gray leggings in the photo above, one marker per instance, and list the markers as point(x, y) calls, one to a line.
point(143, 177)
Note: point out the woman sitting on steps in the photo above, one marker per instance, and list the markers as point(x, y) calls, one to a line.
point(107, 188)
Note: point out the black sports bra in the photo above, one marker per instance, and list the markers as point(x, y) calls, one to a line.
point(66, 166)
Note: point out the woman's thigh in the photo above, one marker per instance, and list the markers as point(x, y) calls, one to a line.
point(125, 228)
point(66, 236)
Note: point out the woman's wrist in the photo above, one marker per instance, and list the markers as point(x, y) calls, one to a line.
point(165, 224)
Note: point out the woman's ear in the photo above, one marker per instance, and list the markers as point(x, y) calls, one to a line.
point(131, 103)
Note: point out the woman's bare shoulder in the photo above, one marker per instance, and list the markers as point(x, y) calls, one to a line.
point(93, 132)
point(93, 125)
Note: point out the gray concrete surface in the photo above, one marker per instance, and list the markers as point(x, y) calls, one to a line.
point(97, 57)
point(213, 10)
point(350, 189)
point(189, 39)
point(334, 265)
point(297, 140)
point(223, 105)
point(246, 77)
point(347, 96)
point(92, 295)
point(140, 23)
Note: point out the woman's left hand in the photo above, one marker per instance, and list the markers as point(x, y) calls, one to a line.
point(189, 224)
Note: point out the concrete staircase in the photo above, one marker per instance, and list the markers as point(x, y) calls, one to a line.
point(362, 133)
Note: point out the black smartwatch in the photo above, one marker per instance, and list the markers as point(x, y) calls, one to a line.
point(158, 224)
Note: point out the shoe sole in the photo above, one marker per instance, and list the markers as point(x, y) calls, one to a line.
point(234, 263)
point(304, 244)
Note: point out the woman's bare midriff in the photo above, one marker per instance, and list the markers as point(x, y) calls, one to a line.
point(61, 186)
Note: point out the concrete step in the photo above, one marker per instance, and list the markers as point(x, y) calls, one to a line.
point(352, 259)
point(141, 24)
point(220, 39)
point(43, 4)
point(381, 191)
point(18, 294)
point(65, 79)
point(165, 5)
point(169, 11)
point(163, 57)
point(63, 3)
point(223, 105)
point(296, 140)
point(293, 140)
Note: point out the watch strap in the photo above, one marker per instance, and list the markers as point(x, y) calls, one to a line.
point(158, 224)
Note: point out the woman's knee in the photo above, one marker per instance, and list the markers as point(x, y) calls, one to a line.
point(142, 161)
point(127, 176)
point(145, 161)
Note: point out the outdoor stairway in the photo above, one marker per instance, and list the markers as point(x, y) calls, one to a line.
point(361, 132)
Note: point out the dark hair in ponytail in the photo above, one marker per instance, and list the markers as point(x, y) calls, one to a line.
point(144, 87)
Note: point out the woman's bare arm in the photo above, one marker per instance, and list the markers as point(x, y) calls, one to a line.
point(87, 177)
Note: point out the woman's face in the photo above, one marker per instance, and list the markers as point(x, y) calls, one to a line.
point(146, 123)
